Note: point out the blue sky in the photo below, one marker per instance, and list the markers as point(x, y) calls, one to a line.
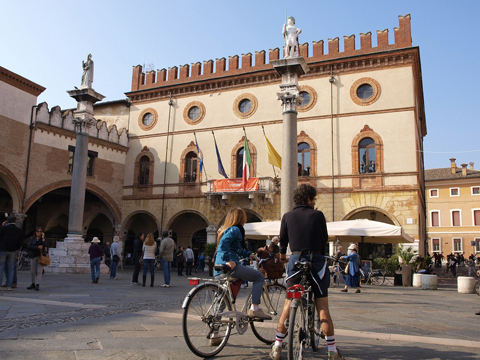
point(46, 42)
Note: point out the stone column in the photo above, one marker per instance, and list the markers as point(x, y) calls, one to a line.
point(290, 70)
point(77, 191)
point(211, 234)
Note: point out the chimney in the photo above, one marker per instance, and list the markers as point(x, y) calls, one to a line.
point(471, 165)
point(453, 165)
point(464, 170)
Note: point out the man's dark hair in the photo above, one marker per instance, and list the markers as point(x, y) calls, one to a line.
point(303, 193)
point(11, 219)
point(165, 233)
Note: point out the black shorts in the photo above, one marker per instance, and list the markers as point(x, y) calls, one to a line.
point(319, 285)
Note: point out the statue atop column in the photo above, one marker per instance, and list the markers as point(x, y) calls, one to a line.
point(290, 35)
point(87, 77)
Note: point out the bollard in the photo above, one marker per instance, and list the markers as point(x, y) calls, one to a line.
point(466, 285)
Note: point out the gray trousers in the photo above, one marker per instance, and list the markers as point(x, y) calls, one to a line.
point(36, 270)
point(246, 273)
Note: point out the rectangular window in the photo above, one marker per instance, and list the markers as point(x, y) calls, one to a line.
point(475, 190)
point(477, 246)
point(90, 162)
point(454, 191)
point(457, 245)
point(436, 245)
point(435, 218)
point(456, 218)
point(476, 217)
point(434, 193)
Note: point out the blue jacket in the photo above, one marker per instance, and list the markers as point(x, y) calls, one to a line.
point(229, 247)
point(353, 261)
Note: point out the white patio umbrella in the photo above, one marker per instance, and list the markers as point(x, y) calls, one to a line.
point(348, 230)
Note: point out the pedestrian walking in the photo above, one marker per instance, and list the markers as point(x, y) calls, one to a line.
point(137, 255)
point(189, 257)
point(471, 264)
point(11, 239)
point(453, 265)
point(167, 249)
point(108, 255)
point(180, 260)
point(149, 248)
point(35, 247)
point(115, 252)
point(353, 278)
point(201, 263)
point(96, 253)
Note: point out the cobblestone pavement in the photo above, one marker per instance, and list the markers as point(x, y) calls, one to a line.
point(71, 318)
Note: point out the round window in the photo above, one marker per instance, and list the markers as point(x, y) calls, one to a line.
point(365, 91)
point(147, 119)
point(245, 106)
point(306, 98)
point(194, 113)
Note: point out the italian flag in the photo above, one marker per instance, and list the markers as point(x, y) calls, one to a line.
point(247, 160)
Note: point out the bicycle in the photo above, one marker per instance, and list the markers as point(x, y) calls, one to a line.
point(337, 269)
point(304, 326)
point(158, 264)
point(210, 313)
point(23, 260)
point(375, 277)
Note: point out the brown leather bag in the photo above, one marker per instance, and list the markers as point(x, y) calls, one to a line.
point(269, 264)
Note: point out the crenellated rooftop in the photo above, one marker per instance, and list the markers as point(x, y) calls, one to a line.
point(64, 121)
point(194, 72)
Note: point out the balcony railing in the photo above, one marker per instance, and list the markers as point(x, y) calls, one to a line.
point(258, 190)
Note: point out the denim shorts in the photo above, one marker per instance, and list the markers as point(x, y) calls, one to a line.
point(319, 285)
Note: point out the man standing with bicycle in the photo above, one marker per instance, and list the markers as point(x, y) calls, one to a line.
point(305, 229)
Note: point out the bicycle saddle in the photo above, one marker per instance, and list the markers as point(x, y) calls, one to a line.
point(222, 267)
point(302, 265)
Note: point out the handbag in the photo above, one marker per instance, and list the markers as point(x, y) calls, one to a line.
point(347, 268)
point(44, 259)
point(116, 258)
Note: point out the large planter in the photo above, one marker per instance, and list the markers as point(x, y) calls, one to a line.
point(407, 275)
point(417, 280)
point(466, 284)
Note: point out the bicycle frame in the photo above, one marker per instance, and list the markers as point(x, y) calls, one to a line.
point(237, 318)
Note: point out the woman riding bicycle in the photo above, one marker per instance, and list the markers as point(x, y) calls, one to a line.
point(232, 238)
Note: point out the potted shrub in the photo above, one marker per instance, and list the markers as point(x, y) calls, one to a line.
point(405, 256)
point(209, 252)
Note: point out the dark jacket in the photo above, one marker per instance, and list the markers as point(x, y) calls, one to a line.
point(95, 251)
point(32, 247)
point(106, 251)
point(305, 229)
point(137, 251)
point(11, 238)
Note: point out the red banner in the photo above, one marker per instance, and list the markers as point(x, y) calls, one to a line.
point(232, 185)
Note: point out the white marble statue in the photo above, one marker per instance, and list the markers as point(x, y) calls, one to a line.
point(87, 77)
point(290, 35)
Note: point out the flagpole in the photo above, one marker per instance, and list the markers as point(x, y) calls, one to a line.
point(196, 143)
point(273, 167)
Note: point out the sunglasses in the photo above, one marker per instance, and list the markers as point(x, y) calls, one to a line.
point(39, 230)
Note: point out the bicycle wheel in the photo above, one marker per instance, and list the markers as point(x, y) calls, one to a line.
point(315, 329)
point(297, 330)
point(200, 323)
point(378, 279)
point(267, 330)
point(477, 287)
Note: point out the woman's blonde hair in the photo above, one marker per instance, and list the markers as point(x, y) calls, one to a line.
point(150, 240)
point(235, 216)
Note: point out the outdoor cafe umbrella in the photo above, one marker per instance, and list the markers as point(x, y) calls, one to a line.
point(347, 230)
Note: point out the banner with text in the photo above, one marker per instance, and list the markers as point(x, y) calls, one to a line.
point(232, 185)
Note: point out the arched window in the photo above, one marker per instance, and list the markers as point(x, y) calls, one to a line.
point(190, 167)
point(239, 172)
point(367, 158)
point(303, 159)
point(144, 173)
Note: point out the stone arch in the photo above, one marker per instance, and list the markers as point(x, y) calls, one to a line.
point(191, 147)
point(14, 187)
point(373, 208)
point(107, 199)
point(248, 212)
point(304, 138)
point(367, 132)
point(131, 215)
point(253, 154)
point(92, 217)
point(53, 217)
point(189, 228)
point(172, 219)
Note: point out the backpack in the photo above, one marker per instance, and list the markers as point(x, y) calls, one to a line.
point(269, 263)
